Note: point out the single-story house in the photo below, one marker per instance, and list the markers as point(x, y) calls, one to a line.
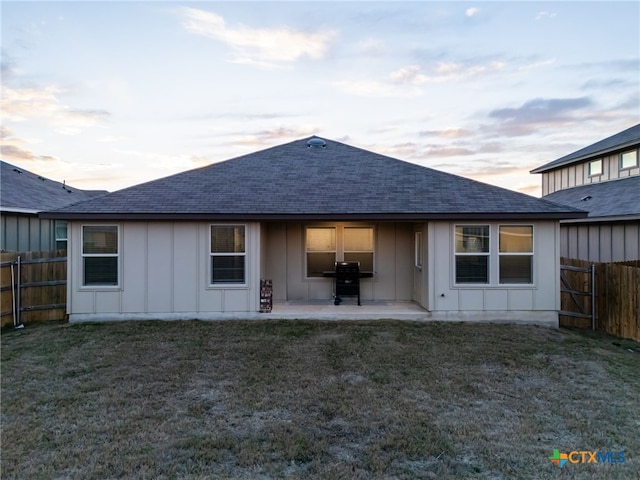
point(603, 179)
point(23, 195)
point(197, 244)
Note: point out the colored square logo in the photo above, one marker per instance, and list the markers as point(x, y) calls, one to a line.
point(558, 458)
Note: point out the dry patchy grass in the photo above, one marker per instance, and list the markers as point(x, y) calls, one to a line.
point(314, 400)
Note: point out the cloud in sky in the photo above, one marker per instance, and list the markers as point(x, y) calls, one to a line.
point(444, 72)
point(165, 162)
point(411, 74)
point(259, 46)
point(111, 138)
point(279, 134)
point(12, 148)
point(535, 65)
point(405, 82)
point(7, 65)
point(545, 15)
point(376, 89)
point(455, 143)
point(470, 12)
point(449, 133)
point(457, 71)
point(23, 104)
point(15, 153)
point(461, 149)
point(539, 112)
point(372, 48)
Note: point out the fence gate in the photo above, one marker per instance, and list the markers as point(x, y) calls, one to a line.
point(32, 287)
point(578, 293)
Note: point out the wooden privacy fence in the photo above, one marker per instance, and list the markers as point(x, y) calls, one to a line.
point(617, 297)
point(578, 294)
point(33, 287)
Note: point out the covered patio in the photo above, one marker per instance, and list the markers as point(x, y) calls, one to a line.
point(325, 310)
point(349, 310)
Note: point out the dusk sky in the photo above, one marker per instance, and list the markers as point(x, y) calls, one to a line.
point(109, 94)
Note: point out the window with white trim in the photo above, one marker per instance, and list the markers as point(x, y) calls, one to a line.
point(100, 255)
point(629, 159)
point(515, 253)
point(472, 254)
point(228, 254)
point(60, 227)
point(595, 167)
point(321, 249)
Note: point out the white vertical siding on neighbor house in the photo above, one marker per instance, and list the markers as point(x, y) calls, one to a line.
point(578, 174)
point(601, 242)
point(541, 296)
point(164, 272)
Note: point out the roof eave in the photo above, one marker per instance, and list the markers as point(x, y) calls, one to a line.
point(603, 219)
point(29, 211)
point(315, 217)
point(548, 166)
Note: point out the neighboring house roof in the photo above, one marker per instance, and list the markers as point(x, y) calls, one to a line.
point(620, 141)
point(26, 192)
point(615, 198)
point(328, 181)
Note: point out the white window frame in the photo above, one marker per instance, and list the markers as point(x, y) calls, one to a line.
point(592, 163)
point(457, 254)
point(531, 254)
point(100, 286)
point(64, 239)
point(212, 254)
point(493, 261)
point(622, 157)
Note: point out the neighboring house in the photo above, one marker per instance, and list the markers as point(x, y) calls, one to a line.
point(22, 196)
point(603, 179)
point(196, 244)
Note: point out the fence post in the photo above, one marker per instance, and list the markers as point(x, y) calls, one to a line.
point(19, 295)
point(13, 294)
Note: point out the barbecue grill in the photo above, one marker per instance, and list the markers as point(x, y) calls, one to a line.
point(347, 281)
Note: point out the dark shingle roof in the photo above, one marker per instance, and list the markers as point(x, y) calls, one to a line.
point(26, 191)
point(297, 181)
point(625, 139)
point(614, 198)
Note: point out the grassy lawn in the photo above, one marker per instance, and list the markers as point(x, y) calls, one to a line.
point(194, 400)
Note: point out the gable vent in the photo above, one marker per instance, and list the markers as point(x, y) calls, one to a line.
point(316, 142)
